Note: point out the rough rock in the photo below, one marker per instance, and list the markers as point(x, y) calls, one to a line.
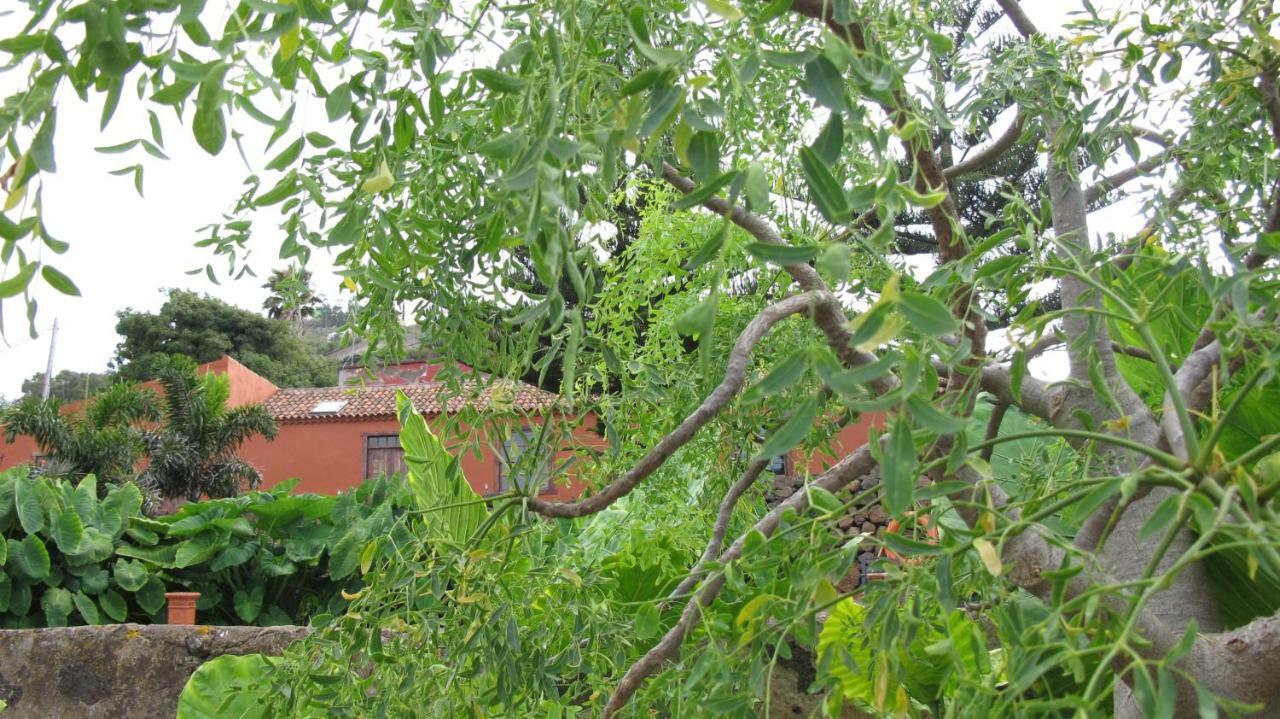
point(118, 670)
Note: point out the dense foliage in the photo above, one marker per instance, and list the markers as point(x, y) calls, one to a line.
point(105, 438)
point(67, 385)
point(261, 558)
point(768, 151)
point(204, 329)
point(193, 451)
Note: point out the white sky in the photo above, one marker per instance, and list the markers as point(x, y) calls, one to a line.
point(125, 249)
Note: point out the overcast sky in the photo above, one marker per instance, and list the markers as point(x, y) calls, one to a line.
point(126, 249)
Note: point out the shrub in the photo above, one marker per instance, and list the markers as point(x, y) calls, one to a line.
point(70, 557)
point(59, 556)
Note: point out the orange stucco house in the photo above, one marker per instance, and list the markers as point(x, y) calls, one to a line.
point(333, 438)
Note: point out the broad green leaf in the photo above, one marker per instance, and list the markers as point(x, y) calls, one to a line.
point(898, 470)
point(830, 141)
point(113, 605)
point(30, 557)
point(227, 686)
point(68, 531)
point(87, 609)
point(248, 602)
point(823, 81)
point(823, 188)
point(792, 431)
point(151, 596)
point(783, 375)
point(926, 314)
point(454, 510)
point(498, 81)
point(704, 156)
point(209, 124)
point(705, 191)
point(756, 188)
point(57, 606)
point(835, 263)
point(781, 254)
point(130, 575)
point(30, 507)
point(287, 156)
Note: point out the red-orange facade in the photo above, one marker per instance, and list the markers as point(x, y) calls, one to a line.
point(331, 439)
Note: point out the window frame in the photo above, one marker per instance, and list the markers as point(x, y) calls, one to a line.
point(364, 445)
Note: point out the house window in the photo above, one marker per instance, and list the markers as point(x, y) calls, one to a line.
point(518, 468)
point(383, 455)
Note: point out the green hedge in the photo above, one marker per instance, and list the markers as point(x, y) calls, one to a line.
point(71, 557)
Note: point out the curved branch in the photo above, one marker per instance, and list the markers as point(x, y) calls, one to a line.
point(853, 466)
point(1113, 182)
point(723, 517)
point(990, 154)
point(828, 317)
point(734, 377)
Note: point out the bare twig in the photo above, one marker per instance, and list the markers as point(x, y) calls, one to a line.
point(993, 428)
point(1115, 181)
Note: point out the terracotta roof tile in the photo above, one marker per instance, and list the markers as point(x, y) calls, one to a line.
point(296, 405)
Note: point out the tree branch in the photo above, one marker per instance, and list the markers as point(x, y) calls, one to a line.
point(853, 466)
point(723, 516)
point(990, 154)
point(1113, 182)
point(734, 377)
point(828, 316)
point(1020, 20)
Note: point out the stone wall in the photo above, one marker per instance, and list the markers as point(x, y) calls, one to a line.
point(118, 670)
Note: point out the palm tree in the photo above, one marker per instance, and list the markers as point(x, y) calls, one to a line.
point(291, 298)
point(194, 452)
point(106, 439)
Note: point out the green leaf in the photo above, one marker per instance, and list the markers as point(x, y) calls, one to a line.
point(704, 192)
point(704, 155)
point(640, 36)
point(823, 81)
point(926, 201)
point(30, 557)
point(59, 281)
point(823, 188)
point(56, 603)
point(151, 596)
point(17, 284)
point(227, 686)
point(792, 431)
point(835, 263)
point(30, 509)
point(756, 188)
point(823, 500)
point(131, 575)
point(647, 621)
point(498, 81)
point(909, 547)
point(781, 254)
point(504, 146)
point(209, 124)
point(698, 319)
point(113, 605)
point(830, 141)
point(932, 419)
point(783, 375)
point(68, 531)
point(87, 609)
point(337, 104)
point(898, 470)
point(1161, 517)
point(41, 152)
point(249, 603)
point(286, 156)
point(926, 314)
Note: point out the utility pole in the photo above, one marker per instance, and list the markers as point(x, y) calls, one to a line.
point(48, 370)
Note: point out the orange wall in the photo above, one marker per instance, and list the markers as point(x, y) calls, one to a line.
point(850, 438)
point(328, 457)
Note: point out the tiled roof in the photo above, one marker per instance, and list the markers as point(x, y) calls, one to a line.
point(296, 405)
